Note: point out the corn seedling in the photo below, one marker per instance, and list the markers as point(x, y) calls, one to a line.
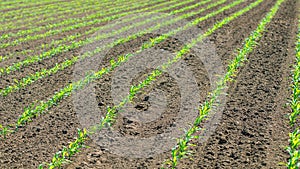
point(62, 156)
point(294, 137)
point(4, 131)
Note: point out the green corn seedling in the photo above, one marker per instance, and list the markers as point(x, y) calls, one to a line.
point(294, 137)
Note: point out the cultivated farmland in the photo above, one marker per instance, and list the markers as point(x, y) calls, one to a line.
point(149, 84)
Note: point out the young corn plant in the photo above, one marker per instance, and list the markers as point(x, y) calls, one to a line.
point(293, 150)
point(4, 131)
point(294, 137)
point(295, 102)
point(66, 153)
point(181, 150)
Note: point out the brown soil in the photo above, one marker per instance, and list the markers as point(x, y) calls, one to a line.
point(251, 134)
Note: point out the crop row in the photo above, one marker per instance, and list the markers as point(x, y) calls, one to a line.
point(294, 137)
point(70, 24)
point(64, 48)
point(111, 112)
point(46, 72)
point(60, 12)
